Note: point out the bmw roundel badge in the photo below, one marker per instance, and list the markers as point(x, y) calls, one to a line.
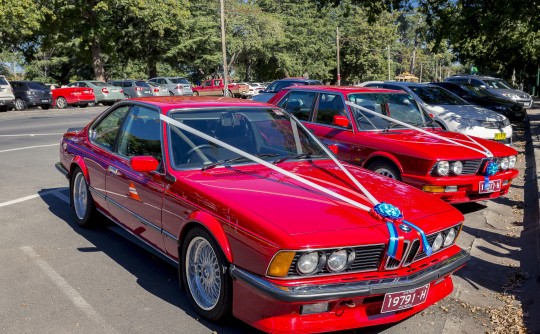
point(404, 228)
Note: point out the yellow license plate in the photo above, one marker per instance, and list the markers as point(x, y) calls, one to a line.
point(500, 136)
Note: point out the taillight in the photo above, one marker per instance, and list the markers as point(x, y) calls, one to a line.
point(179, 87)
point(121, 91)
point(156, 90)
point(138, 88)
point(105, 90)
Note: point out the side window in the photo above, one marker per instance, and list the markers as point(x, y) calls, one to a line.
point(141, 134)
point(74, 84)
point(283, 101)
point(329, 106)
point(161, 81)
point(82, 84)
point(217, 82)
point(104, 133)
point(477, 83)
point(127, 84)
point(207, 83)
point(300, 104)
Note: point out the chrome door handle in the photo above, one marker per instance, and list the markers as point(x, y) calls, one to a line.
point(114, 170)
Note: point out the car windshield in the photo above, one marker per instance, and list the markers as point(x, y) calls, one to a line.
point(179, 81)
point(436, 95)
point(269, 133)
point(498, 84)
point(99, 83)
point(141, 84)
point(37, 85)
point(3, 81)
point(399, 106)
point(476, 91)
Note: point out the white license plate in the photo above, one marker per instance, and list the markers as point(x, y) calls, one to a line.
point(492, 186)
point(402, 300)
point(45, 101)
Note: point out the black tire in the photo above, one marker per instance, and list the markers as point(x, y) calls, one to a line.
point(81, 200)
point(171, 93)
point(3, 108)
point(46, 107)
point(61, 103)
point(195, 93)
point(386, 169)
point(83, 105)
point(19, 104)
point(214, 308)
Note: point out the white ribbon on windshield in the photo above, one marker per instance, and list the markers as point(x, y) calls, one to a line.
point(276, 168)
point(484, 150)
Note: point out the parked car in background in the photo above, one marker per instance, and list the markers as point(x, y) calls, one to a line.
point(278, 85)
point(74, 96)
point(484, 98)
point(321, 257)
point(6, 94)
point(216, 87)
point(252, 90)
point(497, 86)
point(177, 86)
point(158, 90)
point(455, 114)
point(451, 172)
point(31, 94)
point(133, 88)
point(105, 93)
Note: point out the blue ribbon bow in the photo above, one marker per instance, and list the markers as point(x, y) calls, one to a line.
point(490, 169)
point(392, 213)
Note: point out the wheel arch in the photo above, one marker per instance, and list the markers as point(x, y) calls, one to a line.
point(78, 162)
point(209, 223)
point(383, 157)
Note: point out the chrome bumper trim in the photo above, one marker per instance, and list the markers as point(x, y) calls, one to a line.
point(311, 293)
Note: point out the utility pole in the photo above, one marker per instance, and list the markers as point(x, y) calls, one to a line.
point(337, 46)
point(224, 50)
point(388, 62)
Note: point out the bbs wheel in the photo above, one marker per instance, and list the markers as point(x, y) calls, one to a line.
point(205, 275)
point(20, 104)
point(61, 103)
point(81, 200)
point(385, 169)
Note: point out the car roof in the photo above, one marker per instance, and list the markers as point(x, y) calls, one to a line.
point(167, 103)
point(471, 76)
point(343, 89)
point(297, 79)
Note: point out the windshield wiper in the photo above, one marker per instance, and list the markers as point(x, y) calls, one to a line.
point(241, 158)
point(296, 156)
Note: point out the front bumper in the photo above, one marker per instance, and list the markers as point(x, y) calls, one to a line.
point(468, 186)
point(7, 102)
point(311, 293)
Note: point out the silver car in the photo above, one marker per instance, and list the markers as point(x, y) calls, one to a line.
point(158, 90)
point(6, 94)
point(175, 85)
point(496, 86)
point(133, 88)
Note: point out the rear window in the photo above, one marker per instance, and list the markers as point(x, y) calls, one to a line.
point(142, 84)
point(3, 81)
point(179, 81)
point(37, 85)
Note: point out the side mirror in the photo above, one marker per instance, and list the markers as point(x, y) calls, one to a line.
point(144, 164)
point(342, 121)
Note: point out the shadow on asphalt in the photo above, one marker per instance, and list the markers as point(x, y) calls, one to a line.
point(153, 274)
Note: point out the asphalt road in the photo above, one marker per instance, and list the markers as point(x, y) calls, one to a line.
point(56, 277)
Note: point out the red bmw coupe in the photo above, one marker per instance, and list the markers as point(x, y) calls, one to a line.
point(260, 217)
point(361, 125)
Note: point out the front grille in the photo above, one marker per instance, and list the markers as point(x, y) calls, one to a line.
point(366, 258)
point(412, 252)
point(392, 263)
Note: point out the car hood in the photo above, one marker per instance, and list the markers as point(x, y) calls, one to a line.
point(259, 194)
point(500, 92)
point(466, 111)
point(263, 96)
point(414, 143)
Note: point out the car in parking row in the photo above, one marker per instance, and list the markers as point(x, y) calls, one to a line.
point(104, 93)
point(446, 164)
point(31, 94)
point(6, 94)
point(176, 86)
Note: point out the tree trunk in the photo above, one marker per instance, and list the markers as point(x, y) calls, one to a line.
point(248, 70)
point(97, 61)
point(152, 67)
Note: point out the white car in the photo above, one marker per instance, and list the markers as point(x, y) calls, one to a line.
point(6, 94)
point(253, 90)
point(453, 113)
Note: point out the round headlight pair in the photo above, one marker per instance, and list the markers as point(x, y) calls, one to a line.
point(337, 261)
point(504, 163)
point(512, 161)
point(445, 241)
point(444, 168)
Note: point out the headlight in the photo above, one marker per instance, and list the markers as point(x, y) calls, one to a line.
point(337, 261)
point(504, 163)
point(450, 237)
point(437, 243)
point(512, 161)
point(512, 96)
point(457, 167)
point(308, 263)
point(502, 108)
point(443, 167)
point(506, 121)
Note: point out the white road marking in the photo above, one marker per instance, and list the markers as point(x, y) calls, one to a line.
point(34, 134)
point(68, 290)
point(28, 147)
point(55, 192)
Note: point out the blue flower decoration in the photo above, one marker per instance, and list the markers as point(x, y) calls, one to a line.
point(492, 168)
point(388, 211)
